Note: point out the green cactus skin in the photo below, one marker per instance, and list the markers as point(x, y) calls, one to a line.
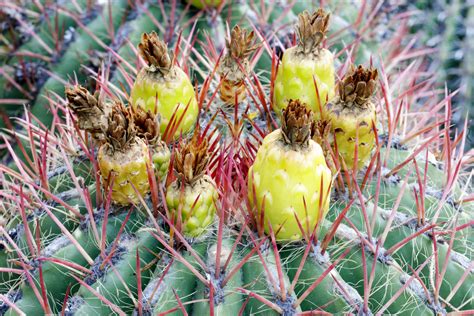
point(178, 278)
point(256, 280)
point(48, 229)
point(417, 251)
point(10, 92)
point(59, 19)
point(5, 278)
point(202, 4)
point(414, 253)
point(61, 181)
point(57, 278)
point(111, 286)
point(468, 66)
point(388, 281)
point(227, 300)
point(77, 53)
point(238, 14)
point(327, 294)
point(449, 212)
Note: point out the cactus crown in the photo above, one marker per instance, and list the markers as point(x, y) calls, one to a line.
point(191, 159)
point(121, 132)
point(155, 52)
point(297, 123)
point(311, 30)
point(358, 85)
point(91, 114)
point(147, 125)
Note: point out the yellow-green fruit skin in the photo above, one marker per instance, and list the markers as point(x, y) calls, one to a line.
point(168, 94)
point(197, 203)
point(127, 170)
point(284, 180)
point(294, 80)
point(161, 160)
point(343, 126)
point(201, 4)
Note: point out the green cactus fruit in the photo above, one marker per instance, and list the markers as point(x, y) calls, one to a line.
point(192, 197)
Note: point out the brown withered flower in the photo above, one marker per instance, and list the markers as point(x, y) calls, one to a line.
point(297, 123)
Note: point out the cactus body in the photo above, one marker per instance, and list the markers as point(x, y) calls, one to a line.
point(199, 242)
point(159, 294)
point(57, 277)
point(115, 278)
point(201, 4)
point(227, 299)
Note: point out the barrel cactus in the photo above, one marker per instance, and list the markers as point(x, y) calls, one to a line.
point(187, 228)
point(449, 35)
